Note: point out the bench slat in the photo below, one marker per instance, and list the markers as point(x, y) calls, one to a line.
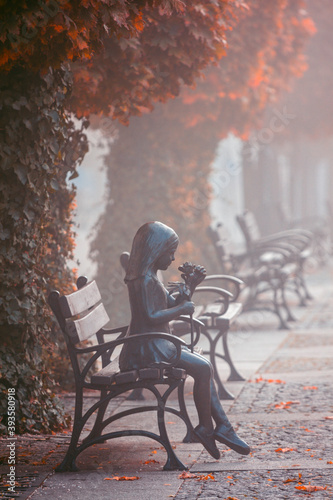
point(198, 311)
point(234, 310)
point(84, 328)
point(149, 373)
point(80, 301)
point(214, 309)
point(106, 375)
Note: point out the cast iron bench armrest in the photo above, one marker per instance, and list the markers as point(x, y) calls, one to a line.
point(271, 254)
point(232, 279)
point(100, 349)
point(224, 299)
point(296, 240)
point(302, 234)
point(283, 245)
point(197, 327)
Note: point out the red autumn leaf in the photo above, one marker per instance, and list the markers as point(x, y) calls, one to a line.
point(269, 380)
point(283, 450)
point(286, 404)
point(292, 480)
point(329, 462)
point(152, 461)
point(187, 475)
point(311, 488)
point(202, 477)
point(199, 477)
point(310, 387)
point(121, 478)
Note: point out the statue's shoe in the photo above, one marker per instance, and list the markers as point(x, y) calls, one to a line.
point(207, 440)
point(226, 435)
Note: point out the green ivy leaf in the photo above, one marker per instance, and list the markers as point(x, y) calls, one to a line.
point(54, 184)
point(21, 173)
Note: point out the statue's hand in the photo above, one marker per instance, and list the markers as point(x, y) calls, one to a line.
point(187, 307)
point(199, 275)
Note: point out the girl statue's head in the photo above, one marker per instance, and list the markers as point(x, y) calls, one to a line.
point(150, 243)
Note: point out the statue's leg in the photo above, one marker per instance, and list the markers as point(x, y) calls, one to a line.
point(224, 431)
point(200, 369)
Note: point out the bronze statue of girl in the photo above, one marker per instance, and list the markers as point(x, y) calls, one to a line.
point(152, 307)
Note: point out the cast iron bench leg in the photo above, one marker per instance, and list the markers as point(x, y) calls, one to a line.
point(234, 376)
point(173, 462)
point(96, 430)
point(222, 391)
point(68, 463)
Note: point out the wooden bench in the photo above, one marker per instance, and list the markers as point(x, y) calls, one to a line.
point(81, 315)
point(294, 246)
point(263, 271)
point(216, 311)
point(317, 226)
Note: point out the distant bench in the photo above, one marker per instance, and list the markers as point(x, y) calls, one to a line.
point(265, 271)
point(81, 315)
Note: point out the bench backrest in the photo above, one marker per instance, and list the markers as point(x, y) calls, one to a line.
point(249, 227)
point(224, 247)
point(81, 313)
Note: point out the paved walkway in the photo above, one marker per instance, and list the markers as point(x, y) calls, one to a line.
point(284, 410)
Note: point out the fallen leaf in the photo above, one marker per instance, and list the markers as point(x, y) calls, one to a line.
point(328, 418)
point(286, 404)
point(186, 475)
point(202, 477)
point(330, 462)
point(121, 478)
point(310, 387)
point(198, 477)
point(284, 450)
point(311, 488)
point(152, 461)
point(269, 380)
point(294, 480)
